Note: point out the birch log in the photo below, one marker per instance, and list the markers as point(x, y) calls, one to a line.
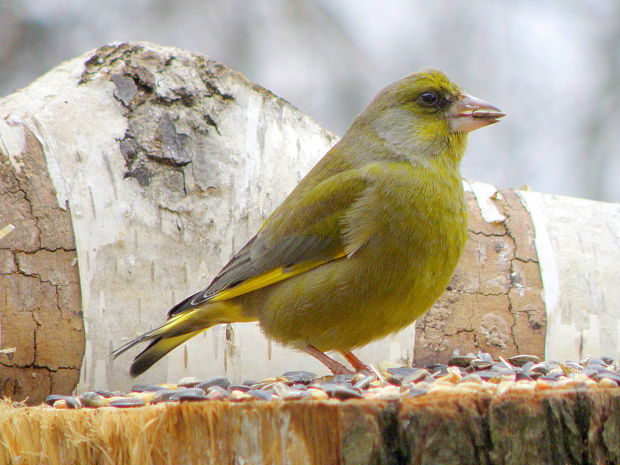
point(133, 173)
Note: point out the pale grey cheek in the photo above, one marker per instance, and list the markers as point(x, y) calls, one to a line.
point(397, 130)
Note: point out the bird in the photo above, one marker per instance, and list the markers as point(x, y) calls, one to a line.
point(364, 244)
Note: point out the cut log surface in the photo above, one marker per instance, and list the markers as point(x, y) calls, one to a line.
point(514, 428)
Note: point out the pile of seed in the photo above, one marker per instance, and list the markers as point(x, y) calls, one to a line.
point(463, 374)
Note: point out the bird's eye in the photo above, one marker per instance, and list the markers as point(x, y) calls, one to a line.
point(429, 99)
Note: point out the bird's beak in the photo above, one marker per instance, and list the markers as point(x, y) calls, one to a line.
point(468, 113)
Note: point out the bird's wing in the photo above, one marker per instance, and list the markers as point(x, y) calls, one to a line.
point(303, 233)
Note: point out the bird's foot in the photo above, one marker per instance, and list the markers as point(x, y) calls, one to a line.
point(335, 367)
point(356, 362)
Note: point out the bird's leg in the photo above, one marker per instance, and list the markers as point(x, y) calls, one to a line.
point(355, 362)
point(334, 366)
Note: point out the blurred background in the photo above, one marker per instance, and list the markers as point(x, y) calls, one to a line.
point(552, 65)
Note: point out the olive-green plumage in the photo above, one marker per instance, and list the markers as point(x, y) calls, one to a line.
point(364, 244)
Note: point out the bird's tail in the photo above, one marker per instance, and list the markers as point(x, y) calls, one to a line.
point(175, 331)
point(158, 347)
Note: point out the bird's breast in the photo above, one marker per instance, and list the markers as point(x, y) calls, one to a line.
point(416, 232)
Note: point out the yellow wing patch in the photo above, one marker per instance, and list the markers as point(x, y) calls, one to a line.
point(271, 277)
point(166, 344)
point(176, 322)
point(202, 317)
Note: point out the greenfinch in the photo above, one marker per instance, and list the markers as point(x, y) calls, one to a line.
point(364, 244)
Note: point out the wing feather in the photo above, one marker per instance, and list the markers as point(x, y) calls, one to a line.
point(299, 236)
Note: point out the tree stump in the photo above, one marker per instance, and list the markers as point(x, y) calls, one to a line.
point(515, 428)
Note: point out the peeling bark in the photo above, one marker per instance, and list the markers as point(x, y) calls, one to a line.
point(494, 302)
point(38, 272)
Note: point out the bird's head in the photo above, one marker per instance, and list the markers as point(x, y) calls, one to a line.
point(425, 114)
